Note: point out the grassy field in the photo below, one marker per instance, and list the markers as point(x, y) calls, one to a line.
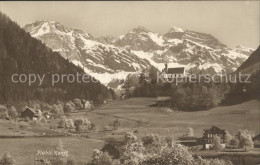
point(232, 118)
point(134, 114)
point(24, 149)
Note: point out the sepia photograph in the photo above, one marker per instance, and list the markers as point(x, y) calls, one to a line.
point(130, 82)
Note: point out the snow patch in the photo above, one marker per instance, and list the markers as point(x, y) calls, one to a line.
point(156, 38)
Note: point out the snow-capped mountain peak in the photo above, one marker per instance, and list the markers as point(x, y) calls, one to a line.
point(108, 58)
point(96, 58)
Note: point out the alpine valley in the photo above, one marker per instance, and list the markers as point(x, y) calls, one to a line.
point(109, 58)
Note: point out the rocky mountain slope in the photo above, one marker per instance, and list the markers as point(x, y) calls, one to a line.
point(108, 58)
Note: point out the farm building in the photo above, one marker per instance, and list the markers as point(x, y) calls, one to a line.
point(256, 141)
point(29, 113)
point(188, 141)
point(208, 135)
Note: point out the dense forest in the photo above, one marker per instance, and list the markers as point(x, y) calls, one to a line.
point(22, 54)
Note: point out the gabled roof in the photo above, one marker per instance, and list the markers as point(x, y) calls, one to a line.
point(30, 109)
point(179, 70)
point(187, 138)
point(215, 129)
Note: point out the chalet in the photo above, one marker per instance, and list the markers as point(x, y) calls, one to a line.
point(256, 141)
point(208, 135)
point(164, 101)
point(29, 113)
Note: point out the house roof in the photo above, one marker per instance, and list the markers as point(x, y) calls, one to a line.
point(186, 138)
point(30, 109)
point(215, 129)
point(179, 70)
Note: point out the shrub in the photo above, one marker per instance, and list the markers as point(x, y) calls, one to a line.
point(175, 153)
point(12, 113)
point(100, 158)
point(2, 108)
point(228, 138)
point(130, 137)
point(234, 142)
point(69, 107)
point(216, 144)
point(62, 122)
point(57, 110)
point(7, 159)
point(168, 140)
point(133, 153)
point(82, 124)
point(69, 124)
point(150, 139)
point(245, 139)
point(3, 112)
point(78, 104)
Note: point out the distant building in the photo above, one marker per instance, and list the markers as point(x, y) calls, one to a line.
point(29, 113)
point(173, 72)
point(256, 141)
point(208, 135)
point(188, 141)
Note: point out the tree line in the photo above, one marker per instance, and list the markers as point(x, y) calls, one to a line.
point(194, 95)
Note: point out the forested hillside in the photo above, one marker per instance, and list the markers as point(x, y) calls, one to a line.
point(22, 54)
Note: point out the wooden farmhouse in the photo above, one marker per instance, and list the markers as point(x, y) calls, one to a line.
point(208, 135)
point(29, 113)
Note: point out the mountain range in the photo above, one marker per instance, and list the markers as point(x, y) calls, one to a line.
point(108, 58)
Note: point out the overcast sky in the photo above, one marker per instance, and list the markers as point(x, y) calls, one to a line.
point(233, 22)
